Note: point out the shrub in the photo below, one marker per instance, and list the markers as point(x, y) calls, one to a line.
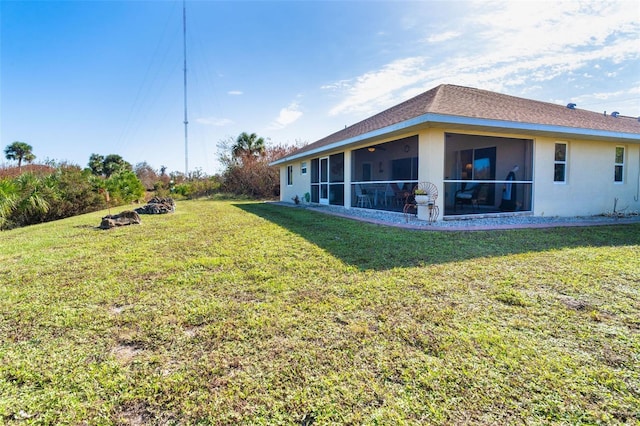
point(124, 187)
point(64, 191)
point(252, 175)
point(78, 193)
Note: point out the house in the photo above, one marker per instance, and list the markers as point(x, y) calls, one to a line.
point(485, 152)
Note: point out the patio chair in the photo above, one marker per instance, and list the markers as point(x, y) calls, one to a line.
point(389, 194)
point(362, 199)
point(410, 205)
point(427, 189)
point(467, 195)
point(399, 194)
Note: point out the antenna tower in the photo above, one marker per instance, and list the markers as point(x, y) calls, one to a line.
point(186, 121)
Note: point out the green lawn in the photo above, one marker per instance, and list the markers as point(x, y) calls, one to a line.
point(250, 313)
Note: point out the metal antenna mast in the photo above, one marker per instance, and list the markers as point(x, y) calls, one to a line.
point(186, 121)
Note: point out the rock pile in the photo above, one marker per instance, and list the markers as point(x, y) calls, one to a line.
point(126, 217)
point(158, 205)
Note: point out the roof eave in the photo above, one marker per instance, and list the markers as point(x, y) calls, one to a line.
point(436, 119)
point(550, 129)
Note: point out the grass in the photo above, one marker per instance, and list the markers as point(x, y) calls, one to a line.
point(248, 313)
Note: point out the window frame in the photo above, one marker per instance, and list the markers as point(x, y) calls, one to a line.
point(290, 175)
point(618, 165)
point(560, 162)
point(303, 167)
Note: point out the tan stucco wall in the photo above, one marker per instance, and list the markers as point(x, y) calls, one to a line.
point(301, 183)
point(431, 165)
point(589, 188)
point(347, 178)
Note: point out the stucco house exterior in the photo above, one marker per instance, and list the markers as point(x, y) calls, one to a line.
point(485, 152)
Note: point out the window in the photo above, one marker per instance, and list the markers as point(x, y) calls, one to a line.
point(303, 168)
point(336, 174)
point(404, 168)
point(289, 175)
point(618, 173)
point(366, 171)
point(560, 163)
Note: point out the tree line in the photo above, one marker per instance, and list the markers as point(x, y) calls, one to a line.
point(51, 191)
point(57, 190)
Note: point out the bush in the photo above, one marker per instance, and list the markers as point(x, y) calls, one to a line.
point(251, 175)
point(198, 188)
point(254, 178)
point(124, 187)
point(78, 193)
point(65, 191)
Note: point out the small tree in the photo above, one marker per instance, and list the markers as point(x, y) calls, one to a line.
point(106, 166)
point(96, 164)
point(114, 163)
point(247, 171)
point(248, 146)
point(147, 175)
point(20, 151)
point(124, 187)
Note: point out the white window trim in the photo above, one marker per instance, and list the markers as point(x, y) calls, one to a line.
point(565, 162)
point(615, 164)
point(303, 168)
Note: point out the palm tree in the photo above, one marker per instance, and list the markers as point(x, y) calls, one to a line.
point(96, 164)
point(248, 146)
point(8, 200)
point(32, 203)
point(20, 151)
point(113, 163)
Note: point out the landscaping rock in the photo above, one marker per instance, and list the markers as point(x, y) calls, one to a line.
point(158, 205)
point(126, 217)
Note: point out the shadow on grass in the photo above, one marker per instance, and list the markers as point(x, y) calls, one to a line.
point(378, 247)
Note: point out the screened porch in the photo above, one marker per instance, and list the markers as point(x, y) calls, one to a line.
point(384, 174)
point(487, 174)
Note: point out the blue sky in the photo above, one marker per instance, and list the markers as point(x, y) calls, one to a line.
point(106, 77)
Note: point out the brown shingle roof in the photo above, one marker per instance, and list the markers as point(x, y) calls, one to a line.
point(471, 103)
point(476, 103)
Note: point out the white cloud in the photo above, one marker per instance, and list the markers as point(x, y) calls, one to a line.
point(442, 37)
point(235, 92)
point(374, 88)
point(288, 115)
point(505, 47)
point(625, 101)
point(340, 84)
point(214, 121)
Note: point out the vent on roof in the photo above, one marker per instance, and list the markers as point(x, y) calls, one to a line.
point(571, 106)
point(615, 114)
